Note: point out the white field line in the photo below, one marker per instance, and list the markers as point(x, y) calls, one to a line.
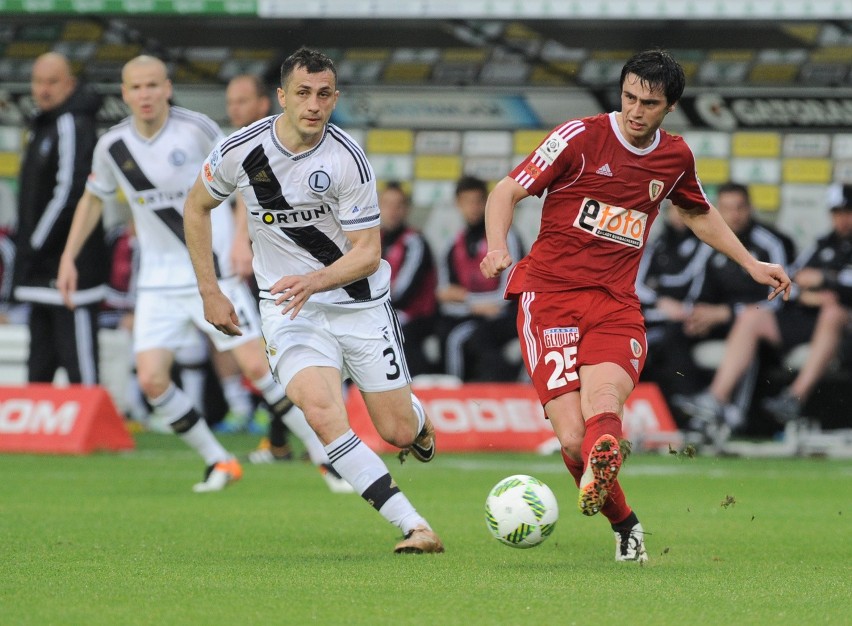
point(660, 466)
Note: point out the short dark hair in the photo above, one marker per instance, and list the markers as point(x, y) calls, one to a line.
point(471, 183)
point(257, 83)
point(313, 61)
point(657, 69)
point(732, 187)
point(395, 185)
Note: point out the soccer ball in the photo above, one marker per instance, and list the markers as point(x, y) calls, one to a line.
point(521, 511)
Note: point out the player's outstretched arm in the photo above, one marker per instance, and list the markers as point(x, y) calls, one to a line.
point(218, 310)
point(86, 216)
point(499, 210)
point(712, 229)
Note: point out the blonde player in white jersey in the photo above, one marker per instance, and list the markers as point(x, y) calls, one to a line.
point(314, 224)
point(153, 156)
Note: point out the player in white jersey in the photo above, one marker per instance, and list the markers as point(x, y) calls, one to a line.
point(153, 156)
point(314, 224)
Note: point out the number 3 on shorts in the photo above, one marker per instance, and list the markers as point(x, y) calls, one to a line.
point(395, 371)
point(563, 366)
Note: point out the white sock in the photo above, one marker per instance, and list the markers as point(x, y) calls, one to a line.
point(192, 379)
point(368, 474)
point(236, 395)
point(420, 412)
point(173, 406)
point(201, 439)
point(269, 388)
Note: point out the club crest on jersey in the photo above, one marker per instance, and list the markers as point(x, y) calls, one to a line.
point(177, 157)
point(551, 148)
point(559, 337)
point(655, 188)
point(635, 347)
point(620, 225)
point(319, 181)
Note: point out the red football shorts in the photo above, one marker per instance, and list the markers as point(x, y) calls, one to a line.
point(562, 331)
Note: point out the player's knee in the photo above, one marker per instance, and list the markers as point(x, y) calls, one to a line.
point(327, 421)
point(571, 448)
point(571, 438)
point(605, 398)
point(153, 384)
point(398, 429)
point(253, 367)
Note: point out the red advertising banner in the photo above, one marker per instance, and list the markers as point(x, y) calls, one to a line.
point(75, 419)
point(501, 417)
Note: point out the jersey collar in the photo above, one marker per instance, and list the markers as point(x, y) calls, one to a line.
point(613, 122)
point(155, 136)
point(285, 151)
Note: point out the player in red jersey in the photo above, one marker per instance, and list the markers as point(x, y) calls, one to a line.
point(579, 319)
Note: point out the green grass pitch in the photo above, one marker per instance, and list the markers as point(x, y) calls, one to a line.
point(121, 539)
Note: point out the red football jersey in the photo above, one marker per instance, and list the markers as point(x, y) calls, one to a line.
point(602, 197)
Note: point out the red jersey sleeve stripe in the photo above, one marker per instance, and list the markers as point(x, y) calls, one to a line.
point(537, 164)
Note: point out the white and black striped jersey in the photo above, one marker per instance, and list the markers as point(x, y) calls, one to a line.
point(155, 176)
point(300, 205)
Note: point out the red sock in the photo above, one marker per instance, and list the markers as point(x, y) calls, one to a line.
point(615, 508)
point(597, 425)
point(575, 467)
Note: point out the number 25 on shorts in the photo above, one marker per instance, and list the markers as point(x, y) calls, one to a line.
point(564, 364)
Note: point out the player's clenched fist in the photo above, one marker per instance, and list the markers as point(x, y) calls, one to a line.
point(495, 262)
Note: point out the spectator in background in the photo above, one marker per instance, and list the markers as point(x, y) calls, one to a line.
point(413, 276)
point(818, 311)
point(721, 293)
point(476, 322)
point(246, 101)
point(724, 289)
point(55, 165)
point(669, 267)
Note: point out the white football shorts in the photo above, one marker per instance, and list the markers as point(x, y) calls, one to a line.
point(364, 344)
point(166, 319)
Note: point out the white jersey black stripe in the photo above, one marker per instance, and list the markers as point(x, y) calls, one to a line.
point(155, 175)
point(354, 149)
point(208, 126)
point(301, 206)
point(246, 134)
